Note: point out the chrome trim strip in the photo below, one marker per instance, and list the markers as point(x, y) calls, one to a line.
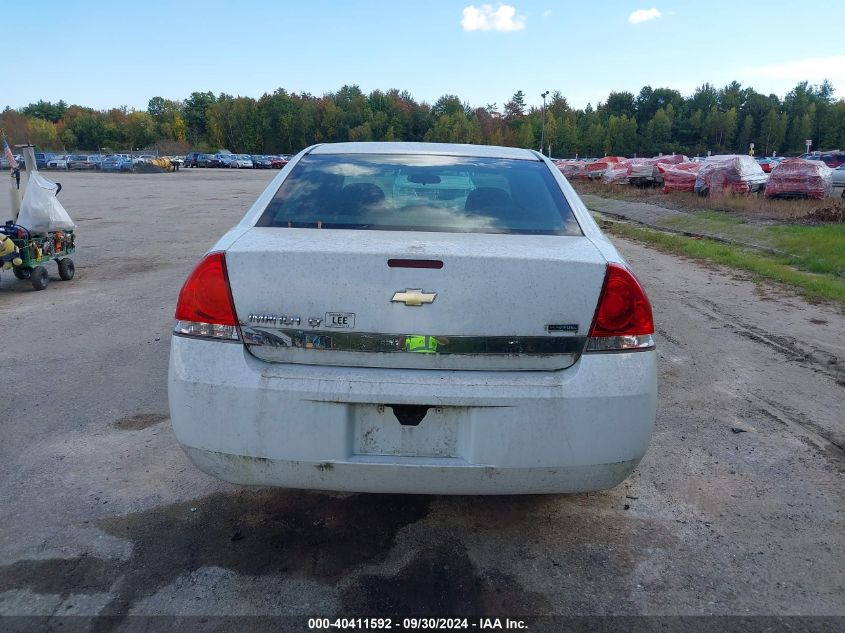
point(205, 338)
point(380, 343)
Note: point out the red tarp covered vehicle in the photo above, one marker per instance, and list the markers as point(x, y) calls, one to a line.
point(737, 173)
point(569, 168)
point(680, 177)
point(640, 171)
point(799, 178)
point(597, 168)
point(617, 174)
point(644, 171)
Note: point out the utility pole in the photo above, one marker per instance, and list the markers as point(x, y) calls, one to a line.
point(543, 128)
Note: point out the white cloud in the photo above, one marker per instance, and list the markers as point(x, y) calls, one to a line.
point(547, 13)
point(487, 17)
point(644, 15)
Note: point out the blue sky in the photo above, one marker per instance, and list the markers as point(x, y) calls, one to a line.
point(109, 54)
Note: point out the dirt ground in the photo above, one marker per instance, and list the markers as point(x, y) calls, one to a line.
point(738, 508)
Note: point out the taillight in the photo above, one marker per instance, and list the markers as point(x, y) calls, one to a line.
point(623, 319)
point(205, 307)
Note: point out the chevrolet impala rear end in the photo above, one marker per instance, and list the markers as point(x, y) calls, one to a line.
point(420, 318)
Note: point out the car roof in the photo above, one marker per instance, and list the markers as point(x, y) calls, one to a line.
point(433, 149)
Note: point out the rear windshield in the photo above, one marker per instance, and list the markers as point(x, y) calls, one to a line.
point(421, 193)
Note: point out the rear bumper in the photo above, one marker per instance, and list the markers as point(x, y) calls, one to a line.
point(252, 422)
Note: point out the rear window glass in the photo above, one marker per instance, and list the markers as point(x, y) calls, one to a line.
point(421, 193)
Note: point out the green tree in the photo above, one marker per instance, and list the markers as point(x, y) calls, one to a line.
point(68, 139)
point(800, 129)
point(140, 130)
point(361, 133)
point(90, 131)
point(448, 104)
point(745, 137)
point(704, 99)
point(46, 110)
point(194, 113)
point(773, 132)
point(732, 96)
point(170, 122)
point(277, 113)
point(43, 133)
point(621, 135)
point(658, 133)
point(649, 101)
point(234, 123)
point(526, 137)
point(621, 104)
point(354, 109)
point(834, 133)
point(594, 139)
point(156, 107)
point(515, 108)
point(329, 120)
point(455, 128)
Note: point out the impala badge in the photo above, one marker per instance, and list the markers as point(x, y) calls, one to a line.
point(413, 297)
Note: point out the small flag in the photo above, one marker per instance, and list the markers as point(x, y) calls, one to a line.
point(7, 152)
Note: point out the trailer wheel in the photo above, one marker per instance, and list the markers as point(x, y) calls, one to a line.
point(66, 269)
point(21, 272)
point(39, 278)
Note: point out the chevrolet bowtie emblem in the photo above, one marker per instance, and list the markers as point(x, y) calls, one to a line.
point(413, 297)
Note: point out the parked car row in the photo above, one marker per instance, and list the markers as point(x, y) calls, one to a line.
point(235, 161)
point(110, 162)
point(127, 162)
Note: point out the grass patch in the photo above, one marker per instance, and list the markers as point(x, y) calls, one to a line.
point(816, 248)
point(721, 224)
point(820, 249)
point(812, 285)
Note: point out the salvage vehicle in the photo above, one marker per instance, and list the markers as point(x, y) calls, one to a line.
point(799, 178)
point(362, 330)
point(730, 173)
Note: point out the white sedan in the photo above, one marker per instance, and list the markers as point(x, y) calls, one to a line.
point(241, 161)
point(57, 162)
point(415, 318)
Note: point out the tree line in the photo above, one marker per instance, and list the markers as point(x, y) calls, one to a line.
point(657, 120)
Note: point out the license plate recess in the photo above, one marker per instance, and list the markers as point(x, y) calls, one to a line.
point(377, 431)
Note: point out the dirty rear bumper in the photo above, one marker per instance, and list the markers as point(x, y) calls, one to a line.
point(299, 426)
point(448, 477)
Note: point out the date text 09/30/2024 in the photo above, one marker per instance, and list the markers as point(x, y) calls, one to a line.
point(415, 624)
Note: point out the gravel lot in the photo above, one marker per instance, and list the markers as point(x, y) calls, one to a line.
point(738, 508)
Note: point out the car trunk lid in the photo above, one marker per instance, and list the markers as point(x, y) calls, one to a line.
point(375, 298)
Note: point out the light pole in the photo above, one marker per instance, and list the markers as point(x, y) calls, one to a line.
point(543, 128)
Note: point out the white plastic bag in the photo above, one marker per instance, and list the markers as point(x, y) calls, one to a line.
point(41, 211)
